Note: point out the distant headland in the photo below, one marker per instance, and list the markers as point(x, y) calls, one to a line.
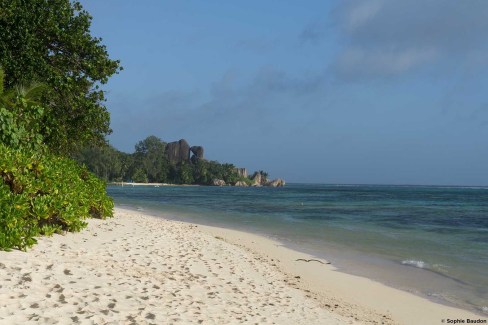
point(163, 163)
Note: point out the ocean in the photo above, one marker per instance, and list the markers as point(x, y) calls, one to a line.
point(428, 240)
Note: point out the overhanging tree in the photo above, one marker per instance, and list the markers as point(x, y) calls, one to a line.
point(49, 41)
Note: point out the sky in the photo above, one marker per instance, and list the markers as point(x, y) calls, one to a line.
point(339, 92)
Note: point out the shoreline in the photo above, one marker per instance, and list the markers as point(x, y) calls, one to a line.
point(147, 184)
point(375, 268)
point(140, 268)
point(319, 278)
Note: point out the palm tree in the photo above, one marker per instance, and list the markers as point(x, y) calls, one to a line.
point(31, 93)
point(21, 113)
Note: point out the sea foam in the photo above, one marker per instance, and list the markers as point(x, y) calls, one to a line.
point(415, 263)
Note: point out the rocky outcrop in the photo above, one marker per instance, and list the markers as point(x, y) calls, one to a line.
point(276, 183)
point(218, 182)
point(258, 179)
point(242, 172)
point(261, 179)
point(178, 151)
point(197, 152)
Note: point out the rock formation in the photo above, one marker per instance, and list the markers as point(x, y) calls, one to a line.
point(197, 152)
point(218, 182)
point(242, 172)
point(276, 183)
point(178, 151)
point(258, 179)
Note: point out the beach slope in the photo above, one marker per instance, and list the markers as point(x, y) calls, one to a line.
point(136, 269)
point(139, 269)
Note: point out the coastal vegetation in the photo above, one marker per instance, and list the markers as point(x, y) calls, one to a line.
point(42, 194)
point(149, 164)
point(51, 103)
point(49, 42)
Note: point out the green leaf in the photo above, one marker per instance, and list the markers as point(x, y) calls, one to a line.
point(50, 58)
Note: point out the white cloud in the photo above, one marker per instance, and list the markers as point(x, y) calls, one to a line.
point(359, 62)
point(386, 38)
point(360, 14)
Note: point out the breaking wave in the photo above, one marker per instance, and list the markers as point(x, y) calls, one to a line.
point(415, 263)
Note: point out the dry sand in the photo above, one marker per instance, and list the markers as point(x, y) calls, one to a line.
point(138, 269)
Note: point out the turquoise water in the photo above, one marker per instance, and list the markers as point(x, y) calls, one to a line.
point(432, 241)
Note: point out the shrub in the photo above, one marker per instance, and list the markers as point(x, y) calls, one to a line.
point(41, 194)
point(20, 125)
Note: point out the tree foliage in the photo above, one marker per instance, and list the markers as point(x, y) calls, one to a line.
point(21, 115)
point(149, 155)
point(51, 70)
point(40, 193)
point(49, 41)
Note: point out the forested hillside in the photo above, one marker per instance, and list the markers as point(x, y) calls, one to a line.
point(148, 163)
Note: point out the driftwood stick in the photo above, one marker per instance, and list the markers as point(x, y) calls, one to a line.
point(310, 260)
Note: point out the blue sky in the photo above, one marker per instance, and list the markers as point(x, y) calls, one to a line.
point(376, 91)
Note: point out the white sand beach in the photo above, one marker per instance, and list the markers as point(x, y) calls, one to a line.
point(139, 269)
